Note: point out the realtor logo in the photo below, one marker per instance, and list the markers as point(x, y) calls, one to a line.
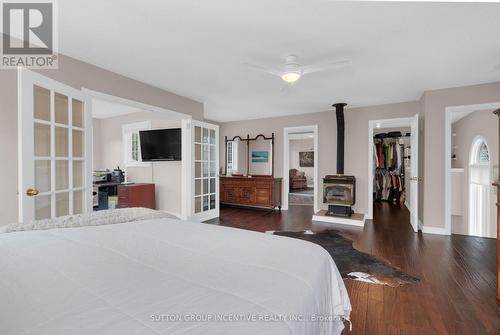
point(29, 34)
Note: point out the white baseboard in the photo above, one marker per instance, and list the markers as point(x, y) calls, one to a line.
point(420, 225)
point(357, 220)
point(435, 230)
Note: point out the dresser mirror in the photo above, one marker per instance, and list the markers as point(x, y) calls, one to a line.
point(249, 156)
point(236, 156)
point(260, 156)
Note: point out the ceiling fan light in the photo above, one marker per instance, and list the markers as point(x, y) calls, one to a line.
point(290, 77)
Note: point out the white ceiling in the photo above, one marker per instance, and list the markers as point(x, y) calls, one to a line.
point(196, 48)
point(104, 109)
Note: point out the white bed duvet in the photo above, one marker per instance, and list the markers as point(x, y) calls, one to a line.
point(166, 276)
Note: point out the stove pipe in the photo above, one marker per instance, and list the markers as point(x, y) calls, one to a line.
point(339, 110)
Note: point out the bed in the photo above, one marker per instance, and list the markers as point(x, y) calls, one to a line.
point(161, 275)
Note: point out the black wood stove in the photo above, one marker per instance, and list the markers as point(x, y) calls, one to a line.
point(339, 190)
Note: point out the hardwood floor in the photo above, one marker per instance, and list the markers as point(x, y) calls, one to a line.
point(456, 294)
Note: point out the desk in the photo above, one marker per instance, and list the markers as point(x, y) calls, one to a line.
point(129, 195)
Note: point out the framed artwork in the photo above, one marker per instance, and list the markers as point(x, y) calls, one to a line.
point(306, 159)
point(260, 156)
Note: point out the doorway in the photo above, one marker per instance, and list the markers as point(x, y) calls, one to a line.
point(118, 158)
point(471, 167)
point(393, 167)
point(56, 149)
point(300, 167)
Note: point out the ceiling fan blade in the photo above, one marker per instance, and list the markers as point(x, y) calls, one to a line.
point(285, 89)
point(325, 66)
point(261, 68)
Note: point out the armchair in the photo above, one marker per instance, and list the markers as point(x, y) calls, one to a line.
point(298, 180)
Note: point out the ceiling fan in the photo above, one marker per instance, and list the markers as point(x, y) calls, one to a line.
point(293, 70)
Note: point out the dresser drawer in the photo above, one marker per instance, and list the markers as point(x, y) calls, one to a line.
point(263, 183)
point(137, 195)
point(257, 191)
point(263, 196)
point(123, 191)
point(230, 195)
point(246, 194)
point(229, 186)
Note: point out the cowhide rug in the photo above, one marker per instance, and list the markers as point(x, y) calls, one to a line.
point(353, 264)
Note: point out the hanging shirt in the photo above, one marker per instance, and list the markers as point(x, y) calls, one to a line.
point(400, 158)
point(375, 158)
point(380, 155)
point(394, 156)
point(389, 155)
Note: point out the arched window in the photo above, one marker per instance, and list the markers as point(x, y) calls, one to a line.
point(479, 188)
point(483, 156)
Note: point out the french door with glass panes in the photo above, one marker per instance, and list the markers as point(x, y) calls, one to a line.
point(205, 200)
point(55, 149)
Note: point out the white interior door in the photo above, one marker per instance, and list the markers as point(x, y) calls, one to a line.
point(414, 179)
point(205, 167)
point(55, 154)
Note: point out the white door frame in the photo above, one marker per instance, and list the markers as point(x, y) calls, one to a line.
point(185, 146)
point(447, 156)
point(286, 162)
point(406, 122)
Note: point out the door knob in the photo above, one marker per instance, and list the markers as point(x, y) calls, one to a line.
point(31, 192)
point(416, 179)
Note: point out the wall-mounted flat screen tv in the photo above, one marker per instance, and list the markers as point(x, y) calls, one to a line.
point(160, 145)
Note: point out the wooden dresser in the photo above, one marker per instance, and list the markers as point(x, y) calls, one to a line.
point(136, 195)
point(264, 192)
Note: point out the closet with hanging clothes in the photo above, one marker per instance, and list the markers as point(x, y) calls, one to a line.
point(391, 159)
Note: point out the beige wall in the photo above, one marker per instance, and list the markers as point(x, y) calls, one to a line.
point(76, 74)
point(8, 149)
point(356, 158)
point(435, 103)
point(431, 109)
point(297, 146)
point(165, 175)
point(481, 123)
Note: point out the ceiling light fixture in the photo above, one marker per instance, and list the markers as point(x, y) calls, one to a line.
point(290, 77)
